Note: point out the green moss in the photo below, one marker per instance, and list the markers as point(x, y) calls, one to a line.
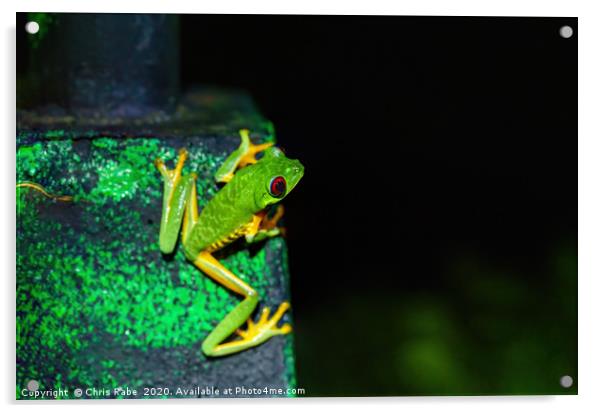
point(128, 172)
point(54, 134)
point(28, 159)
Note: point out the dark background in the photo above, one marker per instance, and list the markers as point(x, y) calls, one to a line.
point(433, 239)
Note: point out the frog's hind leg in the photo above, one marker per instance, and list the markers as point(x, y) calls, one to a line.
point(179, 195)
point(191, 214)
point(256, 333)
point(244, 155)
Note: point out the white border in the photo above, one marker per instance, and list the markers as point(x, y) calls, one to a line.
point(590, 190)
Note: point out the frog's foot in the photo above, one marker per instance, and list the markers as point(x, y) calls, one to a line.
point(172, 175)
point(266, 227)
point(266, 327)
point(244, 155)
point(248, 157)
point(270, 223)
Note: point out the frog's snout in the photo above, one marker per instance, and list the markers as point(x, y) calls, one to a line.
point(296, 170)
point(294, 173)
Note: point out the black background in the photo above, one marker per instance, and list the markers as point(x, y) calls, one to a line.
point(431, 145)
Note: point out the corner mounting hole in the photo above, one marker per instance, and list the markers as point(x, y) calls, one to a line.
point(566, 32)
point(566, 381)
point(32, 27)
point(33, 385)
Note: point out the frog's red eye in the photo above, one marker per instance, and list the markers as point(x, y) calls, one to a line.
point(278, 187)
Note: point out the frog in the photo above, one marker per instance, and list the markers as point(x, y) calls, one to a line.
point(252, 187)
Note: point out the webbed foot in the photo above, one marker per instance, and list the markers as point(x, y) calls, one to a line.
point(248, 156)
point(244, 155)
point(266, 326)
point(269, 223)
point(172, 175)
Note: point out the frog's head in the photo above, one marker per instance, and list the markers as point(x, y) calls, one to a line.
point(277, 176)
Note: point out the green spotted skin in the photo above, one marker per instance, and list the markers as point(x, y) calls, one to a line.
point(228, 214)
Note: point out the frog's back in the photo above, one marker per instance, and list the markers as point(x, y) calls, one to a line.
point(225, 218)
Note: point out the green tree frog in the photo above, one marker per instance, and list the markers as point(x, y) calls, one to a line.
point(238, 209)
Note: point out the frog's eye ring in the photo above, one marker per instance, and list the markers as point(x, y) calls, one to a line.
point(277, 187)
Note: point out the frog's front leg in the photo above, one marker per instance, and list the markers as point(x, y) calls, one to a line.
point(266, 227)
point(256, 333)
point(242, 156)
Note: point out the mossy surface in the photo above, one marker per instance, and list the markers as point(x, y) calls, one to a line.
point(98, 305)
